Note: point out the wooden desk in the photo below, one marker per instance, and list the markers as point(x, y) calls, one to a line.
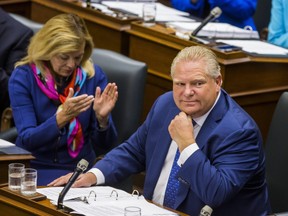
point(108, 32)
point(5, 160)
point(21, 7)
point(13, 203)
point(254, 82)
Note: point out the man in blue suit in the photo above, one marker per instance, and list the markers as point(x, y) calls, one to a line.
point(221, 161)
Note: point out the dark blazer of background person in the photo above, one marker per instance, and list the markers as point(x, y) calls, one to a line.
point(14, 39)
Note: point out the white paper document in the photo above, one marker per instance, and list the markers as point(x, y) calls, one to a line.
point(103, 201)
point(258, 47)
point(4, 144)
point(163, 13)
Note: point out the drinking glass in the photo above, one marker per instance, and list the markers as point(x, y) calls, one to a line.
point(28, 181)
point(149, 13)
point(14, 175)
point(132, 211)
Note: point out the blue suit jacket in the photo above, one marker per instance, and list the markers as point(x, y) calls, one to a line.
point(226, 173)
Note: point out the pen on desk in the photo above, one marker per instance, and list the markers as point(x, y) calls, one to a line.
point(198, 40)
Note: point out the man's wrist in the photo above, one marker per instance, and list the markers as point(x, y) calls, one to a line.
point(100, 179)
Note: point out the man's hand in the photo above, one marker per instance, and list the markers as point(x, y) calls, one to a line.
point(84, 180)
point(181, 130)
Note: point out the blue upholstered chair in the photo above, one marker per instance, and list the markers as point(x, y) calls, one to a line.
point(276, 149)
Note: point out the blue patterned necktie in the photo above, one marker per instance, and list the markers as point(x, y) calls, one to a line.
point(173, 182)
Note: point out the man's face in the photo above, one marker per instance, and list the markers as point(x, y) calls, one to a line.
point(194, 91)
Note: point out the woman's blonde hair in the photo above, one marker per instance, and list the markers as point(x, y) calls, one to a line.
point(61, 34)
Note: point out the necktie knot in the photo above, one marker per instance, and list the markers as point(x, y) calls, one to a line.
point(194, 123)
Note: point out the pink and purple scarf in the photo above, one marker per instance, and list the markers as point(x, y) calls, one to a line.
point(75, 140)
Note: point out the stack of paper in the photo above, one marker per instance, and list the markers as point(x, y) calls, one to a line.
point(163, 13)
point(258, 47)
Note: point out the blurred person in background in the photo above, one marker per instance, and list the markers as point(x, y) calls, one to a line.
point(278, 26)
point(14, 39)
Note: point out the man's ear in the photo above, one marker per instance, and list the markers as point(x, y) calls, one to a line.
point(219, 81)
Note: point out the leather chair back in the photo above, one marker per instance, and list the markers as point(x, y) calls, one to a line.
point(276, 148)
point(130, 77)
point(9, 135)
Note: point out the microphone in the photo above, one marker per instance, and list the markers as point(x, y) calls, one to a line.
point(215, 13)
point(206, 211)
point(81, 167)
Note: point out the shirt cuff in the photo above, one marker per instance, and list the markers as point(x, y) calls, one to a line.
point(186, 153)
point(99, 175)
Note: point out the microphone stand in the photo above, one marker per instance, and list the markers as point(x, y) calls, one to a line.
point(215, 13)
point(81, 167)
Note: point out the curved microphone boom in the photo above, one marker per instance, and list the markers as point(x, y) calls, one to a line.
point(215, 13)
point(81, 167)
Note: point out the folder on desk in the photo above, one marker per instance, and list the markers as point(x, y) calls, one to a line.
point(7, 148)
point(215, 30)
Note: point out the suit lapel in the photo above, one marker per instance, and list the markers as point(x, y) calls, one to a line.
point(212, 120)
